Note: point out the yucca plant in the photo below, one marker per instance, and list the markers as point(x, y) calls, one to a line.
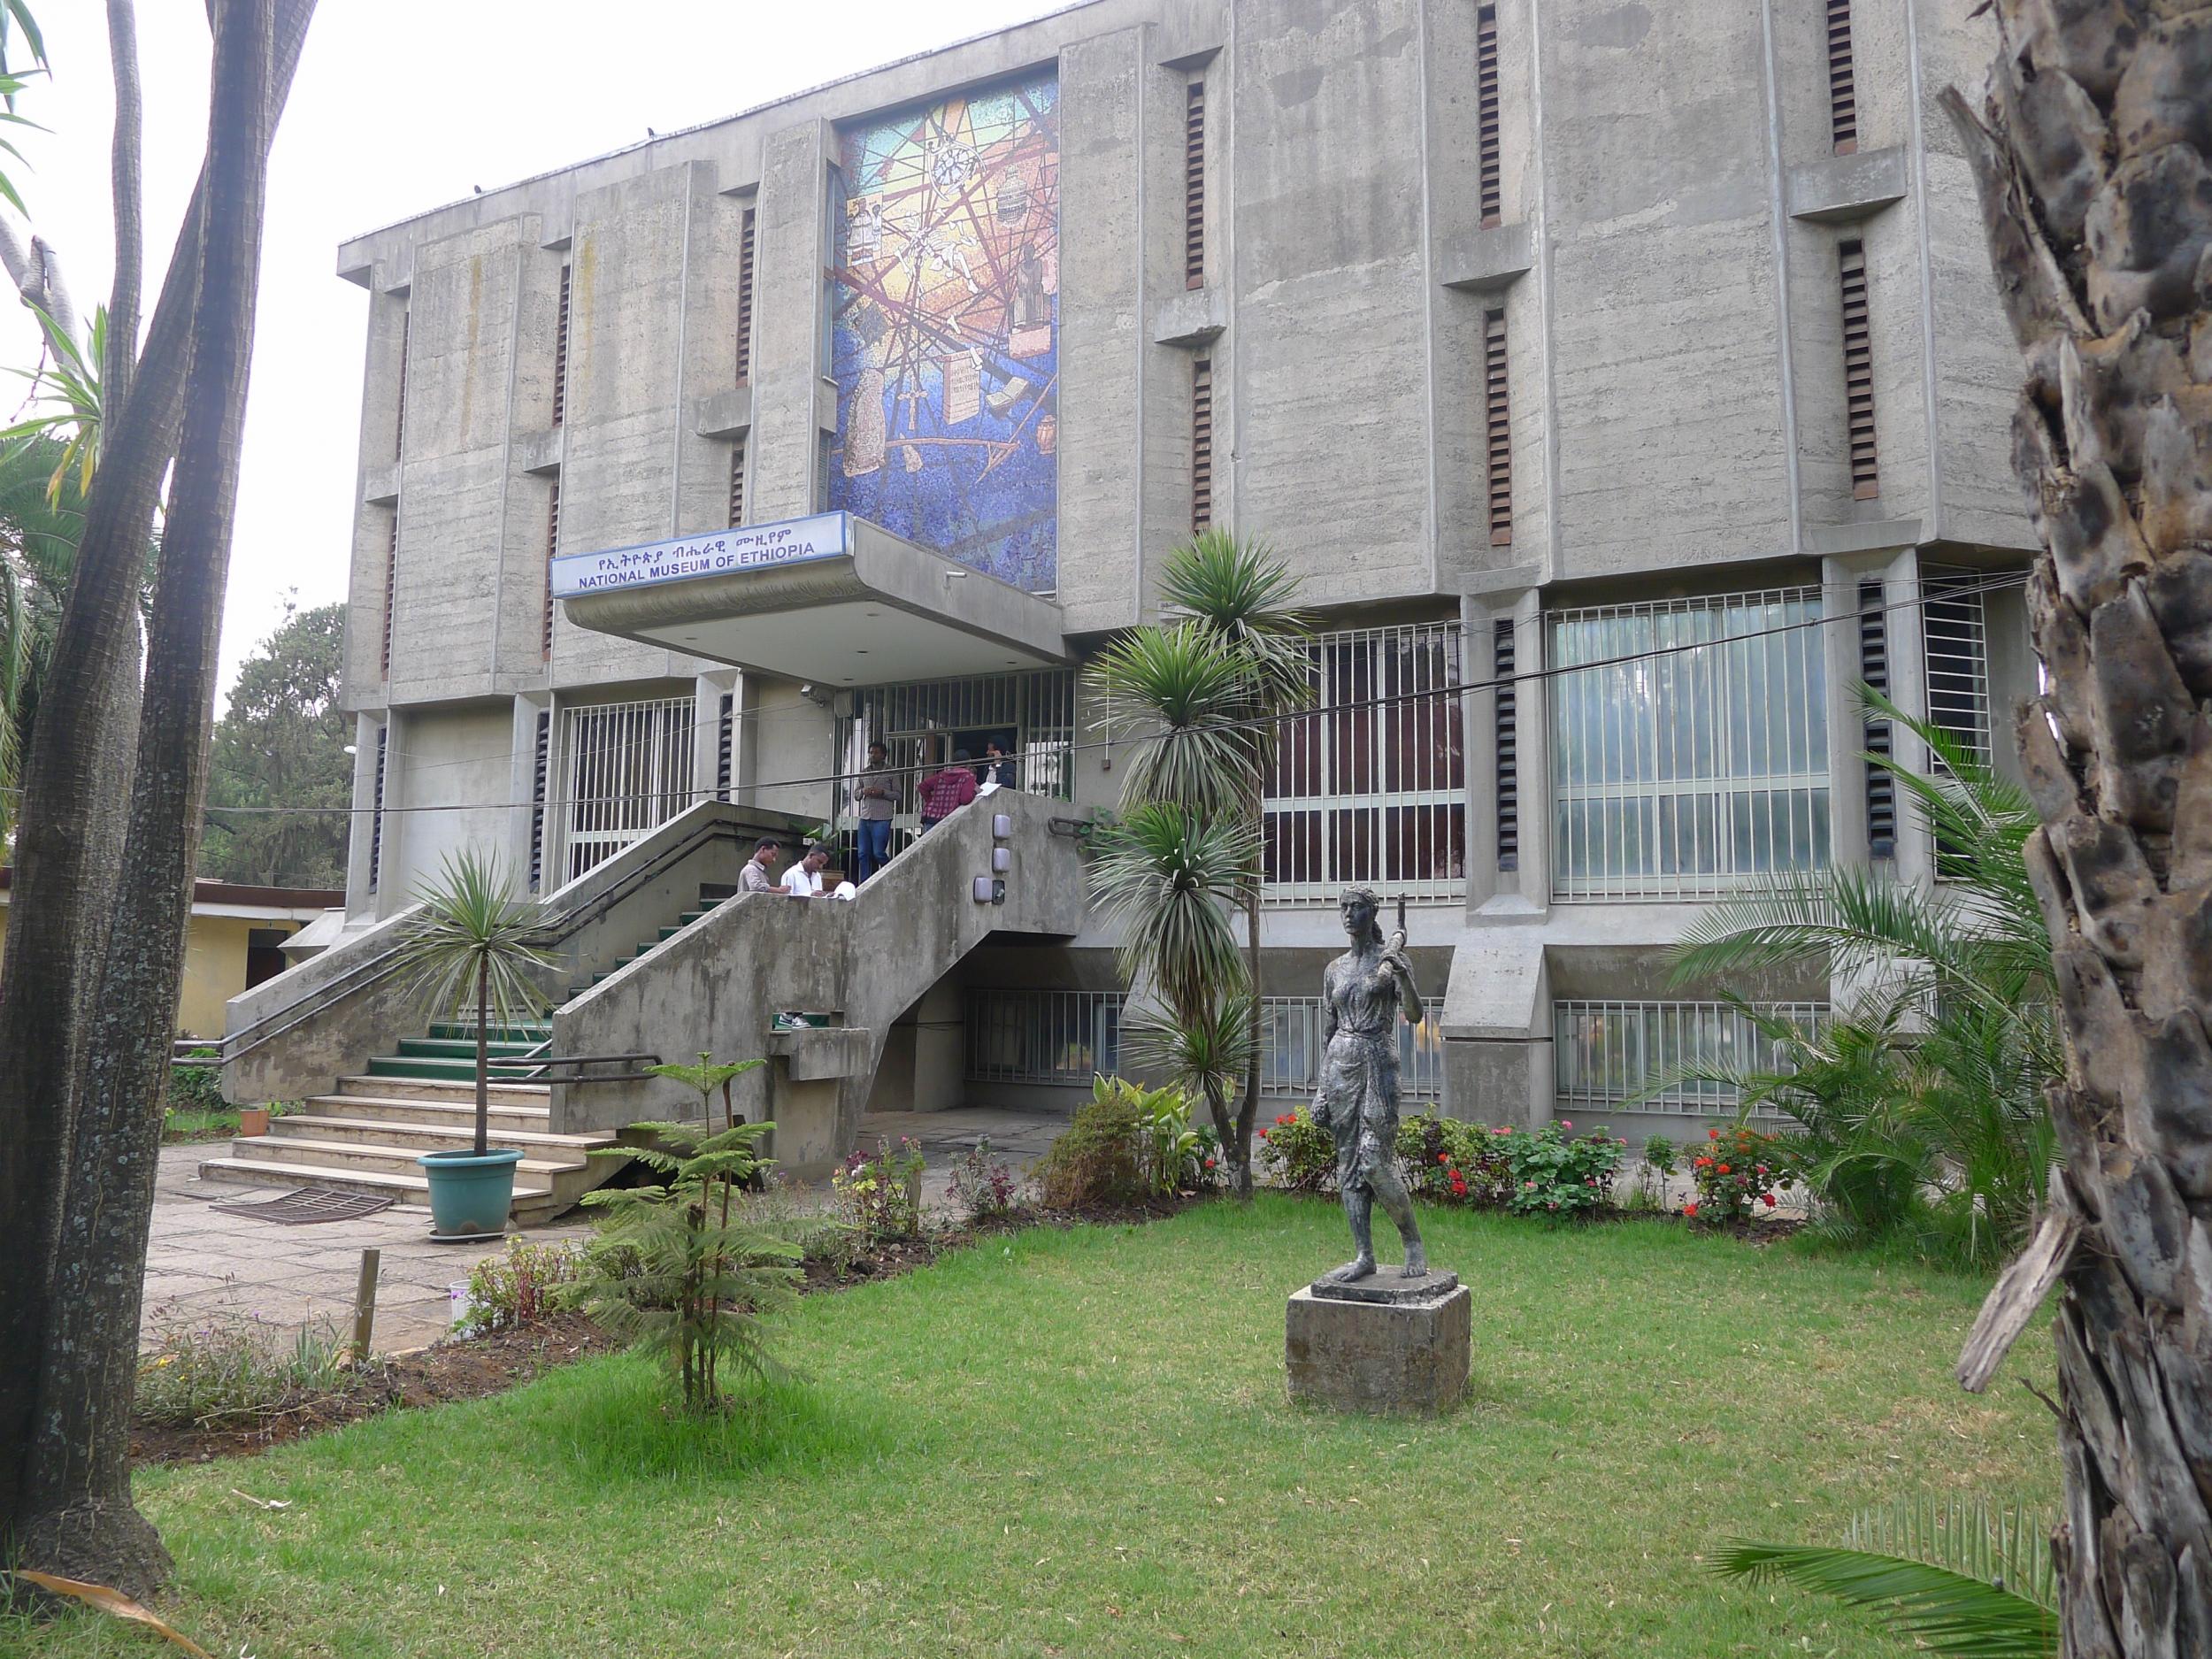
point(472, 939)
point(1957, 1578)
point(672, 1274)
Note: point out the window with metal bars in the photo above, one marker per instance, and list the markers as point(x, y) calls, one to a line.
point(725, 746)
point(1506, 736)
point(1498, 429)
point(399, 414)
point(391, 592)
point(376, 814)
point(1881, 787)
point(1955, 646)
point(560, 352)
point(1370, 785)
point(552, 550)
point(540, 766)
point(737, 482)
point(1489, 183)
point(1689, 744)
point(1195, 184)
point(1843, 102)
point(744, 300)
point(1201, 443)
point(1032, 714)
point(1858, 370)
point(628, 771)
point(1612, 1054)
point(1291, 1049)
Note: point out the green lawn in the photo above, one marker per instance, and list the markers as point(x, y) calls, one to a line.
point(1077, 1443)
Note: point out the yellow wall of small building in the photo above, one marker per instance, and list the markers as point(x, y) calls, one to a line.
point(214, 968)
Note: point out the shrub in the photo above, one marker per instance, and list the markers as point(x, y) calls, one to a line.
point(196, 1088)
point(517, 1288)
point(1299, 1153)
point(1550, 1175)
point(1098, 1158)
point(235, 1369)
point(982, 1184)
point(1174, 1155)
point(1739, 1173)
point(675, 1273)
point(882, 1193)
point(1453, 1161)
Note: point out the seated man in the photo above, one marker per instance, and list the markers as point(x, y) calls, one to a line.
point(803, 879)
point(755, 878)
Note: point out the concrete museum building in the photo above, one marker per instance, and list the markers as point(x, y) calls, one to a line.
point(1531, 333)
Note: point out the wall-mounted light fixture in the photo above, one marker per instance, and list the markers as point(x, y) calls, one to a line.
point(1001, 827)
point(1002, 860)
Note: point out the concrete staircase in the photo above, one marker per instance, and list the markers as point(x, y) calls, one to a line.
point(422, 1098)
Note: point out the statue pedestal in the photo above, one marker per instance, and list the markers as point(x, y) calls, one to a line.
point(1381, 1344)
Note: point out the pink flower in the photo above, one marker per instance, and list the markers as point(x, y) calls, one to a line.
point(1529, 1186)
point(1564, 1124)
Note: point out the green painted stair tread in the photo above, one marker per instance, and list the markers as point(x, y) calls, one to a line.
point(460, 1071)
point(460, 1048)
point(524, 1033)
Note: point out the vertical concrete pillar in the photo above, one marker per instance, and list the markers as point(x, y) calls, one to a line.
point(522, 776)
point(359, 901)
point(792, 253)
point(940, 1048)
point(708, 690)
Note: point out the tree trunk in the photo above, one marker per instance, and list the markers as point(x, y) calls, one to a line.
point(1248, 1107)
point(70, 823)
point(79, 1520)
point(483, 1056)
point(2091, 153)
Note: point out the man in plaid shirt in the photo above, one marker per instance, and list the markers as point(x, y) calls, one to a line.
point(945, 793)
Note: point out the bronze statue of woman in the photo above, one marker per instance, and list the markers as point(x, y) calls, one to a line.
point(1364, 992)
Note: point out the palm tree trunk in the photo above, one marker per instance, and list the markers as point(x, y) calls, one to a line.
point(1248, 1107)
point(2091, 155)
point(71, 823)
point(79, 1517)
point(483, 1056)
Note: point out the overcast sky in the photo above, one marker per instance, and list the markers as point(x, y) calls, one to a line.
point(399, 106)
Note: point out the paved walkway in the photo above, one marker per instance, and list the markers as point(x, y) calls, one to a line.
point(200, 1262)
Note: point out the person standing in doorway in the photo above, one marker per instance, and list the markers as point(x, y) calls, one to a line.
point(946, 792)
point(755, 876)
point(875, 795)
point(997, 770)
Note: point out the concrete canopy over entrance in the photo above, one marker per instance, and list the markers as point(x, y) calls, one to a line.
point(831, 599)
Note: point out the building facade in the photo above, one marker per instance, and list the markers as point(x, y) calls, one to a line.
point(1622, 383)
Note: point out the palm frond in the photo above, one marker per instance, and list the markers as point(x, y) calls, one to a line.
point(1176, 695)
point(1169, 879)
point(1203, 1052)
point(470, 918)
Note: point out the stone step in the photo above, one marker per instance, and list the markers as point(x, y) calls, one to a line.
point(526, 1031)
point(385, 1066)
point(462, 1048)
point(714, 893)
point(433, 1089)
point(532, 1205)
point(444, 1133)
point(523, 1119)
point(366, 1155)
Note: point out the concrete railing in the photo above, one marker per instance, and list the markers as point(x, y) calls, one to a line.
point(291, 1035)
point(718, 985)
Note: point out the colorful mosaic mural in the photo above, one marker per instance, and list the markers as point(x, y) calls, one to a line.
point(944, 329)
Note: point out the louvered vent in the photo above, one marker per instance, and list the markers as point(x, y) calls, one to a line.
point(552, 547)
point(725, 746)
point(1509, 745)
point(1858, 371)
point(1881, 787)
point(745, 298)
point(391, 591)
point(376, 818)
point(1843, 102)
point(737, 483)
point(560, 352)
point(1195, 185)
point(399, 418)
point(1498, 438)
point(539, 763)
point(1486, 163)
point(1201, 443)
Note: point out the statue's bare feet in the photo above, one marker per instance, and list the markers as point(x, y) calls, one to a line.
point(1363, 1267)
point(1416, 1262)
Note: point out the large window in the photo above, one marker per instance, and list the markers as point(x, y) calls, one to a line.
point(1371, 787)
point(627, 769)
point(1691, 754)
point(1032, 716)
point(1618, 1054)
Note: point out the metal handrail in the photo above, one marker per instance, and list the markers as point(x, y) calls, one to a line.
point(538, 1071)
point(234, 1045)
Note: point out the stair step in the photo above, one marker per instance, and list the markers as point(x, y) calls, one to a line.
point(392, 1160)
point(528, 1033)
point(399, 1110)
point(454, 1070)
point(714, 893)
point(689, 916)
point(462, 1048)
point(461, 1091)
point(408, 1189)
point(427, 1135)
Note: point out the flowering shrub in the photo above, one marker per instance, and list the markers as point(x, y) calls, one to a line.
point(1452, 1162)
point(1738, 1173)
point(882, 1194)
point(982, 1183)
point(1298, 1152)
point(1551, 1175)
point(517, 1288)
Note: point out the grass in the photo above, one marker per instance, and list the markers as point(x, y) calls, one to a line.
point(1077, 1443)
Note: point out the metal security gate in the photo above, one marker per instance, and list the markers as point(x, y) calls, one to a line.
point(1032, 714)
point(626, 769)
point(1371, 787)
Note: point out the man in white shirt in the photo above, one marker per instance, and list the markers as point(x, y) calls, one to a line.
point(803, 879)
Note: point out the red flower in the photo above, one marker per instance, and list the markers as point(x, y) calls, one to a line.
point(1770, 1199)
point(1502, 1130)
point(1689, 1209)
point(1763, 1169)
point(1288, 1118)
point(1262, 1134)
point(1210, 1163)
point(1712, 1134)
point(1723, 1169)
point(1443, 1157)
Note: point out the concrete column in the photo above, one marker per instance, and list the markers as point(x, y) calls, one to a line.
point(393, 879)
point(940, 1048)
point(514, 850)
point(1525, 891)
point(791, 252)
point(706, 732)
point(1909, 689)
point(1839, 579)
point(359, 899)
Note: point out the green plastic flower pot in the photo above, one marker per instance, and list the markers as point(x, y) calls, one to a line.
point(470, 1193)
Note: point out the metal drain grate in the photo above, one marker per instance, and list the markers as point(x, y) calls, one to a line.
point(307, 1204)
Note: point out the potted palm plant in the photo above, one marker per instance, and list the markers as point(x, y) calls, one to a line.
point(473, 938)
